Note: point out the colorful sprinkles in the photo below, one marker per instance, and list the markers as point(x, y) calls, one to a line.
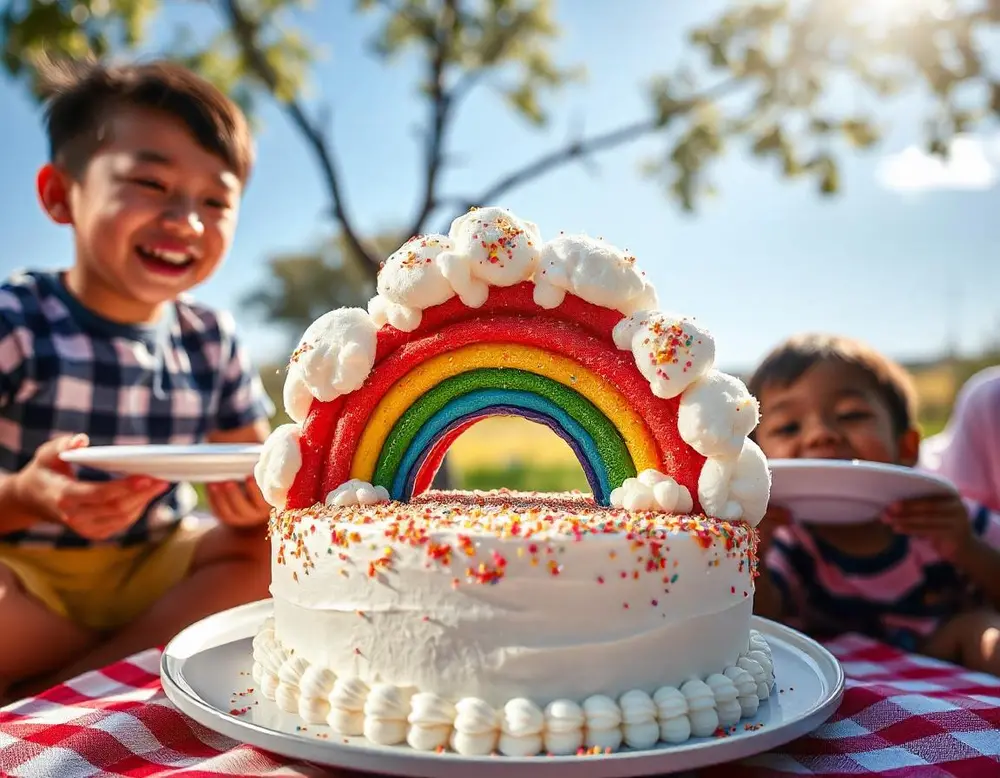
point(673, 344)
point(545, 524)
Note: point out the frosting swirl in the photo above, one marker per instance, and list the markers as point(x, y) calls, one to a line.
point(521, 726)
point(476, 728)
point(289, 675)
point(727, 703)
point(564, 721)
point(386, 710)
point(347, 702)
point(314, 689)
point(639, 726)
point(672, 712)
point(701, 707)
point(604, 721)
point(430, 720)
point(746, 688)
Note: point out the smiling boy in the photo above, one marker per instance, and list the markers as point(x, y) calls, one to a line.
point(923, 574)
point(147, 168)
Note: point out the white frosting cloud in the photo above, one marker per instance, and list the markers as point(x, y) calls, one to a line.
point(716, 415)
point(490, 247)
point(279, 463)
point(651, 490)
point(594, 271)
point(736, 488)
point(411, 281)
point(357, 492)
point(334, 357)
point(672, 352)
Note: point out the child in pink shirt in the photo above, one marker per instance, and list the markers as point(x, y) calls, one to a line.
point(923, 575)
point(968, 451)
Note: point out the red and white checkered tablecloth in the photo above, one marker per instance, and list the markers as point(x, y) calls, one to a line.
point(902, 715)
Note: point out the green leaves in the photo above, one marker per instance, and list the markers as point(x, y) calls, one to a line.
point(505, 40)
point(78, 28)
point(794, 84)
point(860, 133)
point(69, 28)
point(802, 83)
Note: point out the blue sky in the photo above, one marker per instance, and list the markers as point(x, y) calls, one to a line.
point(904, 258)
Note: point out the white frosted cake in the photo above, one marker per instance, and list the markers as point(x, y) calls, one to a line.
point(505, 622)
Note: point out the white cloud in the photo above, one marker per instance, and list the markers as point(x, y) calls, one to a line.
point(973, 164)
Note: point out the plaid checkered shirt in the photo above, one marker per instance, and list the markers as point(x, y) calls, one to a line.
point(66, 370)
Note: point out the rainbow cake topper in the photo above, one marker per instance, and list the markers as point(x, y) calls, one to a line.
point(491, 320)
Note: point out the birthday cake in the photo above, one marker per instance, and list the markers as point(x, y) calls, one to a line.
point(506, 622)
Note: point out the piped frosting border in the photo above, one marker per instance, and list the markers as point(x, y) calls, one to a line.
point(386, 714)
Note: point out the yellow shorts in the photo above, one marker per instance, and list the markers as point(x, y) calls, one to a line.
point(104, 587)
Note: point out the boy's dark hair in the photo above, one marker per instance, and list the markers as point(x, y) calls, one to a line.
point(81, 95)
point(788, 361)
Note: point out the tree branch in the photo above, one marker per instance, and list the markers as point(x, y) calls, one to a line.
point(549, 161)
point(245, 32)
point(580, 149)
point(441, 104)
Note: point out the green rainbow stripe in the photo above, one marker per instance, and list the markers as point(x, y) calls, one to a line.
point(608, 441)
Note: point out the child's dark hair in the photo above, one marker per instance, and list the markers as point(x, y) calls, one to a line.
point(81, 96)
point(786, 364)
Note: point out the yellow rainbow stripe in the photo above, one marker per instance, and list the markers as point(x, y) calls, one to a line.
point(408, 389)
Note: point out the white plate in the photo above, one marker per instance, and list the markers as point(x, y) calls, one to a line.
point(205, 667)
point(831, 491)
point(201, 463)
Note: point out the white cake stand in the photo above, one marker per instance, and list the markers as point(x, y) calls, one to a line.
point(205, 672)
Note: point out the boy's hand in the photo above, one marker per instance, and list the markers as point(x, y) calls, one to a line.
point(238, 504)
point(943, 520)
point(775, 517)
point(95, 510)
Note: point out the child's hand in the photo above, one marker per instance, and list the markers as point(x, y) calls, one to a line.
point(775, 517)
point(238, 504)
point(942, 520)
point(95, 510)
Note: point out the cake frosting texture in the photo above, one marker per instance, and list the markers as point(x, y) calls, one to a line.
point(489, 596)
point(486, 602)
point(516, 623)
